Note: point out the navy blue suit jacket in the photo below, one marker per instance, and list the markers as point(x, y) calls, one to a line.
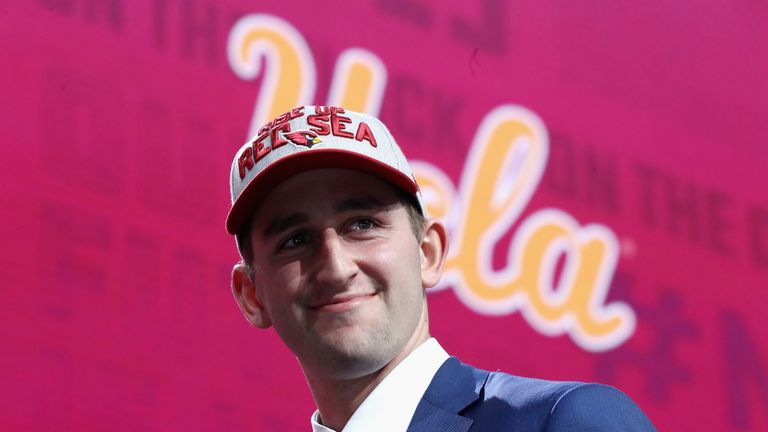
point(462, 398)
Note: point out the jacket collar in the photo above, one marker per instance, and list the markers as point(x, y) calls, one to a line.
point(454, 387)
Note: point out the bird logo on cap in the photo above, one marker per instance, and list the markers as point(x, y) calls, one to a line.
point(304, 138)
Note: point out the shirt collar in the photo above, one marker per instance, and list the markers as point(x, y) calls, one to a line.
point(392, 403)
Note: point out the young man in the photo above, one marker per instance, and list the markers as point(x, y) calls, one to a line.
point(337, 255)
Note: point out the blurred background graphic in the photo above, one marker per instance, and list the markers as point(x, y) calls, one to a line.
point(602, 166)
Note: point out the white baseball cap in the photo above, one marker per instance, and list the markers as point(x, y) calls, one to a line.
point(312, 137)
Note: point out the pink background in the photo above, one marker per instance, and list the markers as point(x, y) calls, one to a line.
point(120, 119)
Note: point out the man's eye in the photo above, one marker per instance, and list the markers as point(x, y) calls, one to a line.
point(294, 241)
point(363, 224)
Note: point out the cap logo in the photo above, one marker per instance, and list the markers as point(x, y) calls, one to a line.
point(325, 121)
point(305, 138)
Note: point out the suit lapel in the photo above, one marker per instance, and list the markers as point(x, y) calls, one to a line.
point(430, 418)
point(454, 387)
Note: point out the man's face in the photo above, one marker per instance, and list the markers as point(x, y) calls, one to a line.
point(337, 271)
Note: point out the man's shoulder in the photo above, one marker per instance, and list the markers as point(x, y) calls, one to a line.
point(521, 390)
point(518, 402)
point(597, 407)
point(462, 396)
point(515, 402)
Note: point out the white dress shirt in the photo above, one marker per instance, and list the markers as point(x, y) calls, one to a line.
point(391, 404)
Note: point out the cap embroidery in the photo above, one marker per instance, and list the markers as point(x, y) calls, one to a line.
point(325, 121)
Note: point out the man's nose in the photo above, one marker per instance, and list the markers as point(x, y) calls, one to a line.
point(335, 265)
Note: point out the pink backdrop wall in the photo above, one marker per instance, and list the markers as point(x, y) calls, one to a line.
point(120, 120)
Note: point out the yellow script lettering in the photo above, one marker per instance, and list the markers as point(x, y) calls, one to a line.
point(503, 169)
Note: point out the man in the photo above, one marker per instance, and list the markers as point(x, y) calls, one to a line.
point(337, 255)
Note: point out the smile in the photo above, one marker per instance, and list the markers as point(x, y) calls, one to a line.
point(342, 303)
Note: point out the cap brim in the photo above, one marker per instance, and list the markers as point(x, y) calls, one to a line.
point(243, 208)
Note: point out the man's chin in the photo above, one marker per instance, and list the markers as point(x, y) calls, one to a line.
point(350, 359)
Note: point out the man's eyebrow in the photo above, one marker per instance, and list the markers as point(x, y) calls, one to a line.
point(360, 203)
point(281, 224)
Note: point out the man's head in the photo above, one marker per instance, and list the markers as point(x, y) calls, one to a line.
point(329, 221)
point(307, 138)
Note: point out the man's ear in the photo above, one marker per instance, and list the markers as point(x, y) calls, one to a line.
point(244, 290)
point(434, 249)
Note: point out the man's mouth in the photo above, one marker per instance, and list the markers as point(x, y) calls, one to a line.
point(341, 303)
